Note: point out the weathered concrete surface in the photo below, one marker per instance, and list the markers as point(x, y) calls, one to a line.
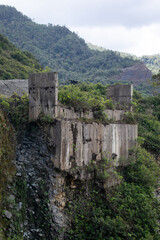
point(64, 112)
point(43, 94)
point(115, 115)
point(121, 95)
point(43, 98)
point(10, 87)
point(20, 86)
point(76, 143)
point(73, 142)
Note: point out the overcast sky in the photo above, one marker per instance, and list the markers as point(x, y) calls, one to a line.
point(131, 26)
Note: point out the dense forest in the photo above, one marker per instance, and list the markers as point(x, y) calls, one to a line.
point(62, 50)
point(15, 63)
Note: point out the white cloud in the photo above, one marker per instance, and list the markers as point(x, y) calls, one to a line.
point(129, 13)
point(139, 41)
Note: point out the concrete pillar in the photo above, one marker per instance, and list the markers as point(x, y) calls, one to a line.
point(121, 95)
point(43, 94)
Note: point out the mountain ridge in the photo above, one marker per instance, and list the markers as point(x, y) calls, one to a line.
point(152, 62)
point(63, 51)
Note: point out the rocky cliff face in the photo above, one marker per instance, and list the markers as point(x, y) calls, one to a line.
point(33, 189)
point(43, 199)
point(136, 74)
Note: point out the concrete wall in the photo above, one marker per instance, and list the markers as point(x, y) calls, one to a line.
point(115, 115)
point(64, 112)
point(73, 142)
point(10, 87)
point(121, 95)
point(77, 143)
point(43, 94)
point(43, 97)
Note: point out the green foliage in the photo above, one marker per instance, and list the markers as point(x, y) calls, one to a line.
point(129, 118)
point(15, 63)
point(147, 115)
point(46, 70)
point(84, 96)
point(156, 83)
point(44, 118)
point(144, 171)
point(128, 211)
point(152, 62)
point(17, 109)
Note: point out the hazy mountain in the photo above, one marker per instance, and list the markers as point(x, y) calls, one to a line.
point(152, 62)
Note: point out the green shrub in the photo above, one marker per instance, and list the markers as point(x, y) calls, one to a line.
point(128, 211)
point(17, 109)
point(86, 97)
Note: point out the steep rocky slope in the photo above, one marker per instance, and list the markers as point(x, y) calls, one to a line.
point(136, 74)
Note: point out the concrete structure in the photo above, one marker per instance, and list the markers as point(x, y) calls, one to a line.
point(73, 142)
point(43, 94)
point(10, 87)
point(121, 96)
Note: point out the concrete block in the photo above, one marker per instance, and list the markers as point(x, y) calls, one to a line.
point(43, 94)
point(121, 95)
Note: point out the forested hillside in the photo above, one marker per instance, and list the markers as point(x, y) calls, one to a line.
point(152, 62)
point(62, 50)
point(15, 63)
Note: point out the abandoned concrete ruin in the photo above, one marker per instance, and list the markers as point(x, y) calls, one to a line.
point(73, 142)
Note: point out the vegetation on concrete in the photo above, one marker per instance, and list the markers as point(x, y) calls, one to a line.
point(83, 96)
point(86, 97)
